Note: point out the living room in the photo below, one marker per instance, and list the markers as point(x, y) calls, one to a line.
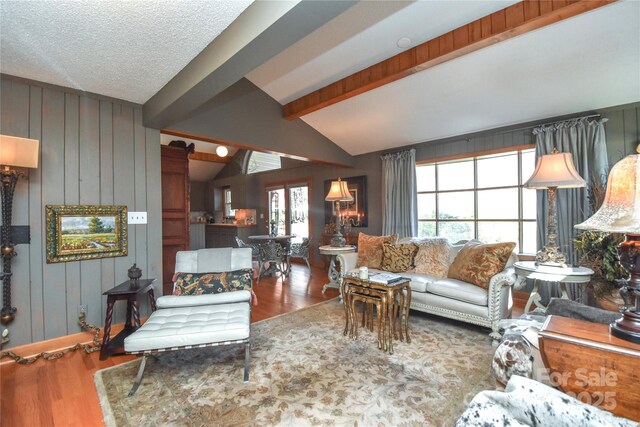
point(100, 147)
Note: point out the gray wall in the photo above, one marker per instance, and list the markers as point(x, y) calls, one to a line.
point(622, 129)
point(94, 151)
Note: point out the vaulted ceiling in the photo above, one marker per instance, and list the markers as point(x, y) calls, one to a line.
point(176, 57)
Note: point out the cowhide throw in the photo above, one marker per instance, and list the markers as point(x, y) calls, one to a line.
point(527, 402)
point(512, 357)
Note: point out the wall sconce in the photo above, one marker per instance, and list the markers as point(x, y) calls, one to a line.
point(17, 152)
point(338, 192)
point(553, 171)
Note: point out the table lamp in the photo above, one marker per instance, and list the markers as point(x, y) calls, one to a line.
point(620, 213)
point(553, 171)
point(338, 192)
point(14, 152)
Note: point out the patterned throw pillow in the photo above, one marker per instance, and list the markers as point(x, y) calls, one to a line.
point(370, 249)
point(212, 283)
point(398, 258)
point(432, 257)
point(477, 263)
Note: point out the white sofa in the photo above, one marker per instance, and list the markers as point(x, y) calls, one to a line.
point(453, 298)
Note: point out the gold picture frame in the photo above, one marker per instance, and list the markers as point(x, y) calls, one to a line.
point(81, 232)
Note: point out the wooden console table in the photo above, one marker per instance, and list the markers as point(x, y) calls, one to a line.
point(128, 292)
point(585, 361)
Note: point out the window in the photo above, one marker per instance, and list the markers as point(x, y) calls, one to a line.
point(228, 212)
point(479, 198)
point(260, 162)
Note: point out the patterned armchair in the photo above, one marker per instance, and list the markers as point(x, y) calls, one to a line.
point(301, 250)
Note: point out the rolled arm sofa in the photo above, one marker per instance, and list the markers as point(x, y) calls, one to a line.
point(454, 298)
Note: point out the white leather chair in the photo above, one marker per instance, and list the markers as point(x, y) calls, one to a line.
point(192, 321)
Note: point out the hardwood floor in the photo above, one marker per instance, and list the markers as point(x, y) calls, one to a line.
point(62, 392)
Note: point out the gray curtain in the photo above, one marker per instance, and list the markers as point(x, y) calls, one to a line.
point(399, 194)
point(585, 139)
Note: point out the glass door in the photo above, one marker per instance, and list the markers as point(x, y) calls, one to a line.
point(288, 208)
point(277, 211)
point(299, 212)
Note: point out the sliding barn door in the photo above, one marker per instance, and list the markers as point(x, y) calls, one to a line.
point(175, 210)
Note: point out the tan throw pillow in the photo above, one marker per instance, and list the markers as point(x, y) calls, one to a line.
point(433, 257)
point(398, 258)
point(478, 263)
point(370, 249)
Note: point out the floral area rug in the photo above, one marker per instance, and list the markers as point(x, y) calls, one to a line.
point(304, 372)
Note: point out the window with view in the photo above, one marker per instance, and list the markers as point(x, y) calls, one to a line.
point(479, 198)
point(228, 212)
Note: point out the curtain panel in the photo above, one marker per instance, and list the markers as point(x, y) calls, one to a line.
point(399, 194)
point(585, 140)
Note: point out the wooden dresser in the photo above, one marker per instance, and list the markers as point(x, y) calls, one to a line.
point(585, 361)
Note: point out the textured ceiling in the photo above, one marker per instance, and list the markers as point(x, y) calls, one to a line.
point(123, 49)
point(131, 49)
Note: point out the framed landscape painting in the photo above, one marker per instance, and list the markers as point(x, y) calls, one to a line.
point(76, 233)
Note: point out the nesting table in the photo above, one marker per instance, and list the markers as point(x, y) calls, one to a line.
point(391, 302)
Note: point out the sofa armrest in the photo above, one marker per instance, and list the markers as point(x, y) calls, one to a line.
point(499, 296)
point(175, 301)
point(347, 261)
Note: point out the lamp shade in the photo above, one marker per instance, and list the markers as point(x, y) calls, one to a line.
point(620, 211)
point(339, 192)
point(19, 152)
point(555, 170)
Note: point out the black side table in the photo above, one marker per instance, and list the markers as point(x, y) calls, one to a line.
point(129, 292)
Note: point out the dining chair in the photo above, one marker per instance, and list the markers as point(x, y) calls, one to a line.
point(274, 257)
point(255, 248)
point(301, 250)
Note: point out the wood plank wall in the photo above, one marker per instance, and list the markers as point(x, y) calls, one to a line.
point(94, 151)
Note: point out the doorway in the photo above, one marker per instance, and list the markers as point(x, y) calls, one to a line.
point(288, 208)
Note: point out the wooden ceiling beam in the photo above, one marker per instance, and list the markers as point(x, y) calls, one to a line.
point(209, 157)
point(517, 19)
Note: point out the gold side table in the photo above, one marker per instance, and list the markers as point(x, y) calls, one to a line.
point(395, 307)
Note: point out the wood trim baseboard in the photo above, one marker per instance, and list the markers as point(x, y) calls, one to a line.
point(58, 344)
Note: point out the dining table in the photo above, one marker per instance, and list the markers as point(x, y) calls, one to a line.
point(284, 240)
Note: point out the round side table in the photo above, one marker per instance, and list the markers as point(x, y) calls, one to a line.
point(334, 274)
point(562, 275)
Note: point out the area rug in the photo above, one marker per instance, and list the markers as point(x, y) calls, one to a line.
point(304, 372)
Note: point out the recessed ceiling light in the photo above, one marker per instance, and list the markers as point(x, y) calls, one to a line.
point(222, 151)
point(404, 42)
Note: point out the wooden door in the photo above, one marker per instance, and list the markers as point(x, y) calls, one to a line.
point(175, 210)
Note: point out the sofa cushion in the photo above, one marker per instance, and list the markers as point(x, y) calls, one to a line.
point(370, 249)
point(212, 283)
point(398, 258)
point(432, 257)
point(419, 281)
point(478, 263)
point(459, 290)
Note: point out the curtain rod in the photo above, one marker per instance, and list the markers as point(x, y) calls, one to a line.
point(551, 123)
